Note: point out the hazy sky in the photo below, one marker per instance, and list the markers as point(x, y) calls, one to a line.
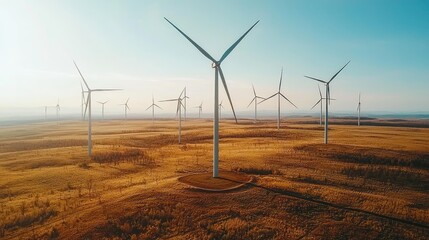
point(129, 45)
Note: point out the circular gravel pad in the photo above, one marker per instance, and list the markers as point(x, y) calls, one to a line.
point(225, 181)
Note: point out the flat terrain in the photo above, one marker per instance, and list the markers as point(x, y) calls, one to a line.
point(370, 182)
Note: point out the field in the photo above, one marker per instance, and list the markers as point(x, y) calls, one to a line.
point(370, 182)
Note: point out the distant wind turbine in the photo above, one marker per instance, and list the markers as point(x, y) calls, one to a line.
point(220, 110)
point(218, 70)
point(184, 98)
point(358, 110)
point(57, 108)
point(126, 107)
point(321, 104)
point(83, 101)
point(178, 112)
point(102, 107)
point(279, 94)
point(153, 105)
point(88, 106)
point(255, 100)
point(327, 97)
point(200, 109)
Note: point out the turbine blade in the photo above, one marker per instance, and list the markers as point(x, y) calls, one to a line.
point(106, 90)
point(281, 94)
point(168, 100)
point(192, 41)
point(251, 102)
point(127, 101)
point(338, 72)
point(281, 77)
point(229, 50)
point(254, 92)
point(320, 92)
point(329, 94)
point(316, 79)
point(316, 104)
point(157, 106)
point(268, 98)
point(86, 84)
point(149, 107)
point(227, 92)
point(86, 105)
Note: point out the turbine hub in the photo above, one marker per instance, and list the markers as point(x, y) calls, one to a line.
point(215, 64)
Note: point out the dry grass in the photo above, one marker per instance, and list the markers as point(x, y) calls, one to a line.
point(369, 183)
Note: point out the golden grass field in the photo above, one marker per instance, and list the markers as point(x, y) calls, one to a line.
point(370, 182)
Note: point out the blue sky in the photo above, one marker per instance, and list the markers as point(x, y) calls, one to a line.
point(128, 44)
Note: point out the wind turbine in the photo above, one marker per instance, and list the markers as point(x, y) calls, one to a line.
point(200, 109)
point(358, 110)
point(126, 107)
point(153, 105)
point(83, 101)
point(218, 70)
point(102, 107)
point(279, 94)
point(88, 106)
point(57, 108)
point(327, 97)
point(220, 109)
point(255, 99)
point(178, 112)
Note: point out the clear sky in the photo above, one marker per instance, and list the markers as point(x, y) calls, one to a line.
point(129, 45)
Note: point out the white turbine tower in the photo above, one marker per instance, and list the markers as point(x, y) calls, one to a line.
point(358, 111)
point(279, 94)
point(178, 112)
point(200, 109)
point(255, 100)
point(88, 106)
point(126, 107)
point(102, 107)
point(153, 105)
point(218, 70)
point(327, 97)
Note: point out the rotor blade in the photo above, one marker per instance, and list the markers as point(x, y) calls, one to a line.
point(149, 107)
point(81, 87)
point(81, 75)
point(281, 77)
point(227, 52)
point(268, 98)
point(254, 92)
point(178, 108)
point(180, 96)
point(251, 102)
point(86, 105)
point(281, 94)
point(320, 92)
point(338, 72)
point(126, 105)
point(260, 97)
point(127, 101)
point(192, 41)
point(316, 104)
point(100, 102)
point(105, 90)
point(227, 92)
point(315, 79)
point(157, 106)
point(169, 100)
